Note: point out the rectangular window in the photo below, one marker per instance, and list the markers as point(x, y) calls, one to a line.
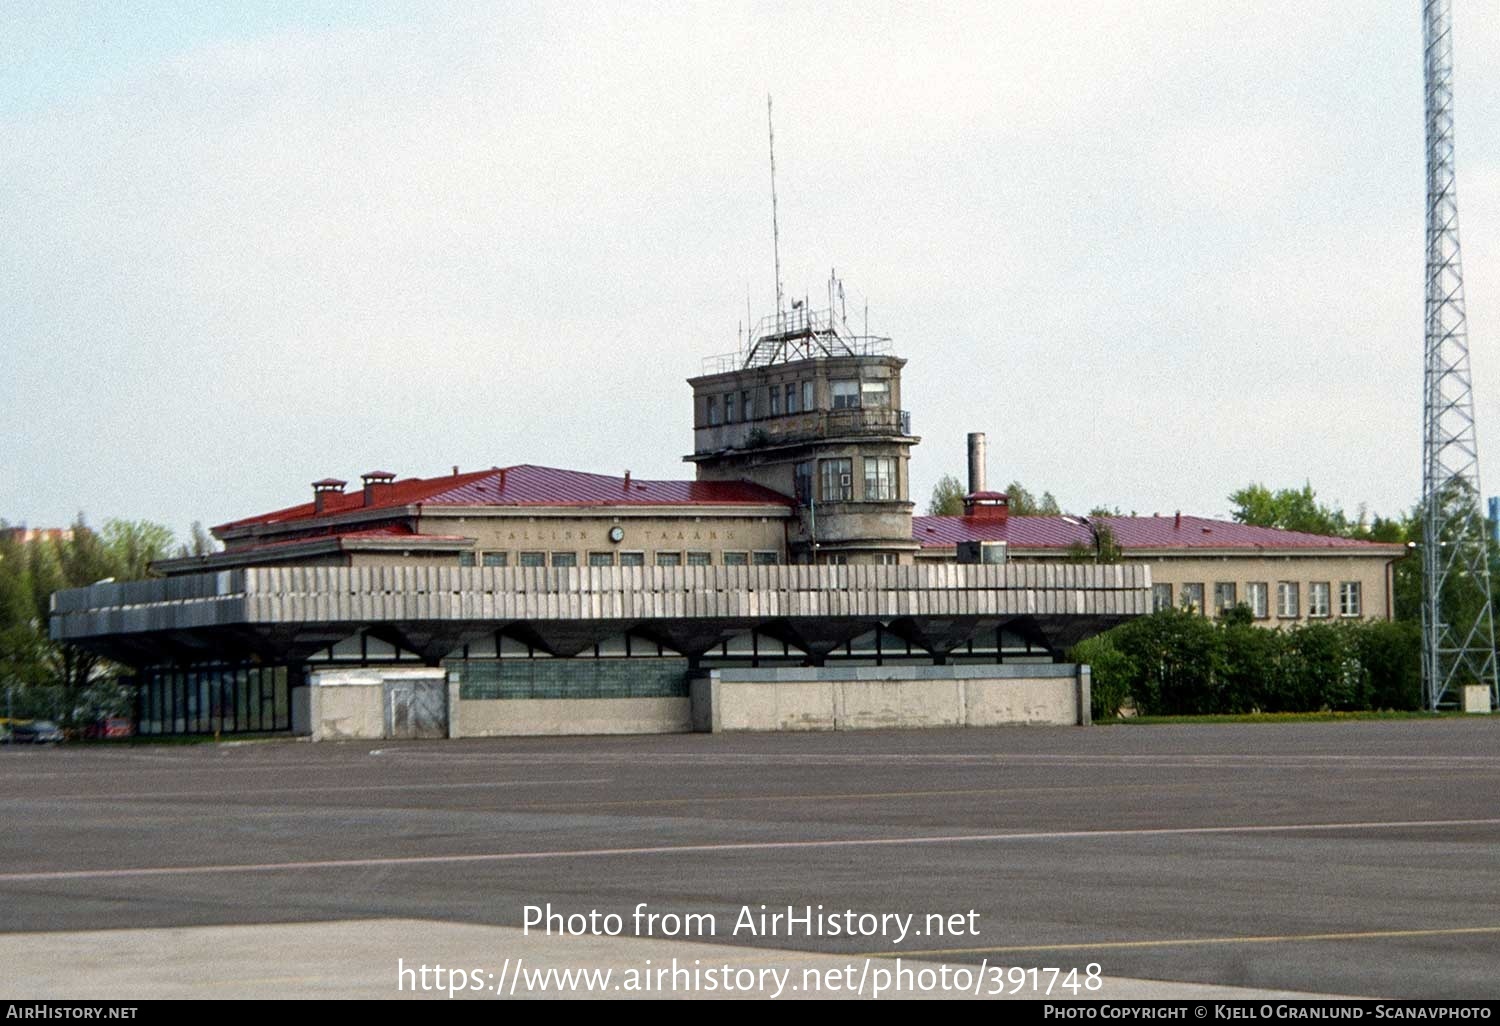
point(889, 559)
point(466, 559)
point(747, 405)
point(845, 394)
point(1192, 597)
point(497, 559)
point(766, 559)
point(875, 393)
point(736, 559)
point(713, 411)
point(700, 559)
point(1349, 601)
point(1225, 596)
point(669, 559)
point(1319, 598)
point(533, 559)
point(791, 397)
point(632, 559)
point(880, 478)
point(729, 408)
point(601, 559)
point(1161, 597)
point(804, 482)
point(1288, 600)
point(774, 394)
point(564, 559)
point(838, 480)
point(809, 399)
point(837, 559)
point(1259, 594)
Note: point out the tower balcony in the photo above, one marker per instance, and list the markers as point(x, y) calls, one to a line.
point(798, 428)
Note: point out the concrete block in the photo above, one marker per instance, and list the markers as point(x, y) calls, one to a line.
point(1476, 698)
point(515, 717)
point(992, 703)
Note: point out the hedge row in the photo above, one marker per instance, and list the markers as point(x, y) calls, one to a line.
point(1177, 663)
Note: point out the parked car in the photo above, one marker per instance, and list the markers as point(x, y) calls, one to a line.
point(37, 732)
point(109, 726)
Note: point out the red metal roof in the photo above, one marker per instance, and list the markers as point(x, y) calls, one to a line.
point(528, 485)
point(1058, 532)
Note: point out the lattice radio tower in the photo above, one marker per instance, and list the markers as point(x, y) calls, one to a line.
point(1458, 632)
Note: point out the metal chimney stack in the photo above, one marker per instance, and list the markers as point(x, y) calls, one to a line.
point(976, 461)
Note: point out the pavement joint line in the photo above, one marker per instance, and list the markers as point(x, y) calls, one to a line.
point(337, 789)
point(1184, 942)
point(852, 796)
point(724, 847)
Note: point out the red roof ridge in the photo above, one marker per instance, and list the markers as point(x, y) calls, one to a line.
point(524, 484)
point(1131, 532)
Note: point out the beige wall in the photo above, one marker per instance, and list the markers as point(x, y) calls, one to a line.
point(1241, 571)
point(511, 717)
point(1371, 571)
point(585, 533)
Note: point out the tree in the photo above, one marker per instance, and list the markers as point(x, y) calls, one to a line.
point(947, 497)
point(1103, 549)
point(1024, 504)
point(31, 571)
point(201, 543)
point(135, 545)
point(1289, 509)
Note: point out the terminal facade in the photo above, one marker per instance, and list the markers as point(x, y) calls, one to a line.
point(534, 599)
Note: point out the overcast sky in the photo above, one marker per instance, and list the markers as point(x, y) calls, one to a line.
point(1156, 250)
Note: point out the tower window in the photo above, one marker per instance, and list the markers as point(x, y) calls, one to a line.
point(880, 478)
point(804, 482)
point(838, 480)
point(845, 394)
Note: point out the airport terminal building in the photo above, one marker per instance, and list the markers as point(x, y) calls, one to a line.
point(787, 586)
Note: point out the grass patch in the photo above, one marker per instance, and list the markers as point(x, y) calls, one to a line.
point(1285, 717)
point(177, 739)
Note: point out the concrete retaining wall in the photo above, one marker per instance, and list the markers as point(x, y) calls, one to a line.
point(520, 716)
point(865, 698)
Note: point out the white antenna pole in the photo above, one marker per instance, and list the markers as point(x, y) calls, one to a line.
point(775, 227)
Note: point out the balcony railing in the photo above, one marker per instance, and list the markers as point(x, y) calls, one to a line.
point(802, 427)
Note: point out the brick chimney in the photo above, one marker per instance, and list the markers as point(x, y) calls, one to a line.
point(987, 506)
point(325, 488)
point(377, 486)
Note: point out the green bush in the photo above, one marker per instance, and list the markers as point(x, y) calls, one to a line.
point(1177, 663)
point(1111, 674)
point(1177, 656)
point(1252, 664)
point(1391, 654)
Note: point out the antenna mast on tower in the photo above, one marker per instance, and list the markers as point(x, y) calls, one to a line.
point(775, 227)
point(1458, 632)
